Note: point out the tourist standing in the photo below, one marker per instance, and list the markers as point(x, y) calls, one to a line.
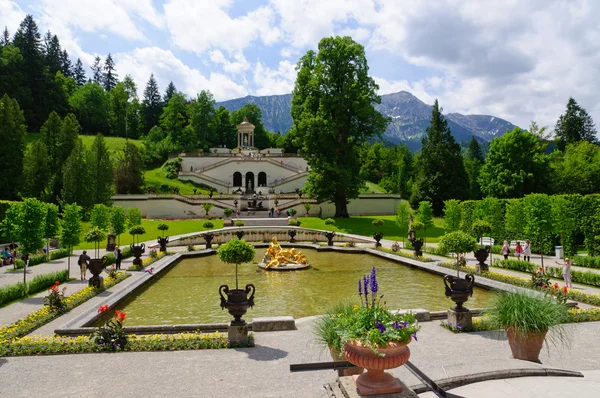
point(518, 250)
point(505, 250)
point(118, 257)
point(566, 272)
point(527, 251)
point(83, 262)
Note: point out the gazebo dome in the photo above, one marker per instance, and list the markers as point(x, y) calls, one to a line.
point(245, 125)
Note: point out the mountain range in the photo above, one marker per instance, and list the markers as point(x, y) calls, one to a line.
point(409, 118)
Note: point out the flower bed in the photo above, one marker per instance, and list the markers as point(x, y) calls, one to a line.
point(39, 283)
point(44, 315)
point(401, 254)
point(147, 261)
point(44, 345)
point(571, 294)
point(583, 277)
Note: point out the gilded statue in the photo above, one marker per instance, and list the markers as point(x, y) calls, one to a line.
point(276, 256)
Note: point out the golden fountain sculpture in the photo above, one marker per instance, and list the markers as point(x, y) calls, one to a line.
point(277, 257)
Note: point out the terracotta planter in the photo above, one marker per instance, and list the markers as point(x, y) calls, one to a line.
point(376, 380)
point(338, 356)
point(526, 346)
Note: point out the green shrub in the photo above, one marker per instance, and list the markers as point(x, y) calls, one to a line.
point(587, 261)
point(516, 265)
point(294, 222)
point(228, 212)
point(325, 326)
point(208, 225)
point(59, 253)
point(239, 223)
point(38, 284)
point(583, 277)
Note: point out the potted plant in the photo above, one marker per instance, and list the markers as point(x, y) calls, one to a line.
point(292, 234)
point(307, 207)
point(479, 229)
point(137, 249)
point(237, 301)
point(377, 235)
point(375, 338)
point(528, 320)
point(162, 240)
point(208, 236)
point(459, 290)
point(330, 234)
point(96, 265)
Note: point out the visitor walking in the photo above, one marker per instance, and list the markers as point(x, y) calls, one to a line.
point(518, 250)
point(83, 263)
point(118, 257)
point(566, 272)
point(527, 251)
point(26, 261)
point(505, 250)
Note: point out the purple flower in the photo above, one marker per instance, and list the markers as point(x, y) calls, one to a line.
point(405, 323)
point(397, 325)
point(415, 336)
point(373, 279)
point(366, 284)
point(380, 326)
point(359, 287)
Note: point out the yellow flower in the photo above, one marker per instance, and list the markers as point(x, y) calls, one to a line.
point(355, 307)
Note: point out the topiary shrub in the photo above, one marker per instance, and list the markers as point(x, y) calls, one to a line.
point(236, 252)
point(239, 223)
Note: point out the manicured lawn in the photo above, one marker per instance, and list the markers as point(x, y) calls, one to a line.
point(156, 178)
point(362, 226)
point(114, 144)
point(372, 187)
point(176, 227)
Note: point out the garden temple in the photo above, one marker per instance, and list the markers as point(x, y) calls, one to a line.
point(246, 169)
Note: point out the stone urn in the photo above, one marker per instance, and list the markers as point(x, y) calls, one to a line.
point(339, 356)
point(417, 244)
point(208, 237)
point(459, 290)
point(376, 380)
point(526, 346)
point(240, 234)
point(111, 242)
point(96, 266)
point(237, 302)
point(481, 255)
point(377, 236)
point(137, 251)
point(329, 236)
point(163, 243)
point(292, 234)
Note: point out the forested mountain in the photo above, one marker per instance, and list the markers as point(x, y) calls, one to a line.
point(410, 117)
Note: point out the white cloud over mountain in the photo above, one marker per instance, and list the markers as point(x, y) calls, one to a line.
point(520, 60)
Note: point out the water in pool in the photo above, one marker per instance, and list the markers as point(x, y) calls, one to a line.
point(188, 292)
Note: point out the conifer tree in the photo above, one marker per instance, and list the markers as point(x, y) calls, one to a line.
point(169, 93)
point(440, 170)
point(53, 53)
point(51, 131)
point(574, 126)
point(5, 40)
point(69, 133)
point(129, 175)
point(35, 170)
point(151, 106)
point(66, 65)
point(473, 162)
point(12, 137)
point(97, 74)
point(76, 182)
point(110, 77)
point(79, 73)
point(101, 172)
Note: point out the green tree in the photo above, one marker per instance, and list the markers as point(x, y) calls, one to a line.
point(79, 73)
point(473, 162)
point(457, 242)
point(333, 113)
point(51, 136)
point(493, 211)
point(403, 218)
point(425, 215)
point(538, 224)
point(174, 119)
point(76, 180)
point(100, 217)
point(52, 53)
point(169, 92)
point(207, 207)
point(30, 225)
point(151, 105)
point(202, 119)
point(134, 217)
point(515, 166)
point(100, 172)
point(254, 115)
point(515, 219)
point(70, 229)
point(440, 173)
point(12, 75)
point(90, 105)
point(66, 64)
point(118, 220)
point(577, 170)
point(574, 125)
point(565, 223)
point(97, 74)
point(51, 225)
point(35, 170)
point(129, 175)
point(452, 215)
point(69, 134)
point(110, 76)
point(12, 137)
point(398, 171)
point(225, 131)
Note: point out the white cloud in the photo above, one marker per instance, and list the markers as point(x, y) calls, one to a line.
point(203, 25)
point(11, 16)
point(239, 66)
point(274, 81)
point(418, 89)
point(142, 62)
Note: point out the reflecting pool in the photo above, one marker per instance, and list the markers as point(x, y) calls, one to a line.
point(188, 292)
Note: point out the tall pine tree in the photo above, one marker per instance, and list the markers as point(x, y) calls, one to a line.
point(473, 162)
point(151, 106)
point(35, 170)
point(101, 172)
point(574, 126)
point(76, 182)
point(53, 53)
point(169, 93)
point(79, 73)
point(110, 77)
point(12, 137)
point(5, 40)
point(66, 65)
point(440, 170)
point(97, 74)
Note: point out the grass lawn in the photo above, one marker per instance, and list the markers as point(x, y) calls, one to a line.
point(114, 144)
point(157, 177)
point(372, 187)
point(176, 227)
point(362, 226)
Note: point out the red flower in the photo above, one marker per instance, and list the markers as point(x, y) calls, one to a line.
point(565, 289)
point(541, 269)
point(544, 286)
point(120, 315)
point(57, 283)
point(103, 308)
point(556, 285)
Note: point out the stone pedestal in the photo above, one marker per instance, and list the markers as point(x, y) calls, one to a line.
point(464, 319)
point(348, 388)
point(237, 334)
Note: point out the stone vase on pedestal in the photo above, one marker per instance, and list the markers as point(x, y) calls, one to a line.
point(377, 236)
point(163, 243)
point(96, 266)
point(329, 236)
point(137, 251)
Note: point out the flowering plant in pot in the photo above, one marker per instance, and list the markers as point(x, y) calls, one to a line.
point(529, 320)
point(375, 338)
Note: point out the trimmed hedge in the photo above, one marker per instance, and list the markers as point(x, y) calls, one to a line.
point(37, 259)
point(583, 277)
point(38, 284)
point(587, 261)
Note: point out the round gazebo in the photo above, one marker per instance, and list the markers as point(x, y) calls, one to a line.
point(245, 134)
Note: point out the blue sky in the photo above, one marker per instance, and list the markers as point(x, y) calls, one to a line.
point(516, 59)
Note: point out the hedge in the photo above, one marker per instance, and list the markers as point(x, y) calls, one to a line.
point(38, 284)
point(583, 277)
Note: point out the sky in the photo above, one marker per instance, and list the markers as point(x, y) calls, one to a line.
point(520, 60)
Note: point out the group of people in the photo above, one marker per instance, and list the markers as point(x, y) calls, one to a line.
point(9, 254)
point(524, 250)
